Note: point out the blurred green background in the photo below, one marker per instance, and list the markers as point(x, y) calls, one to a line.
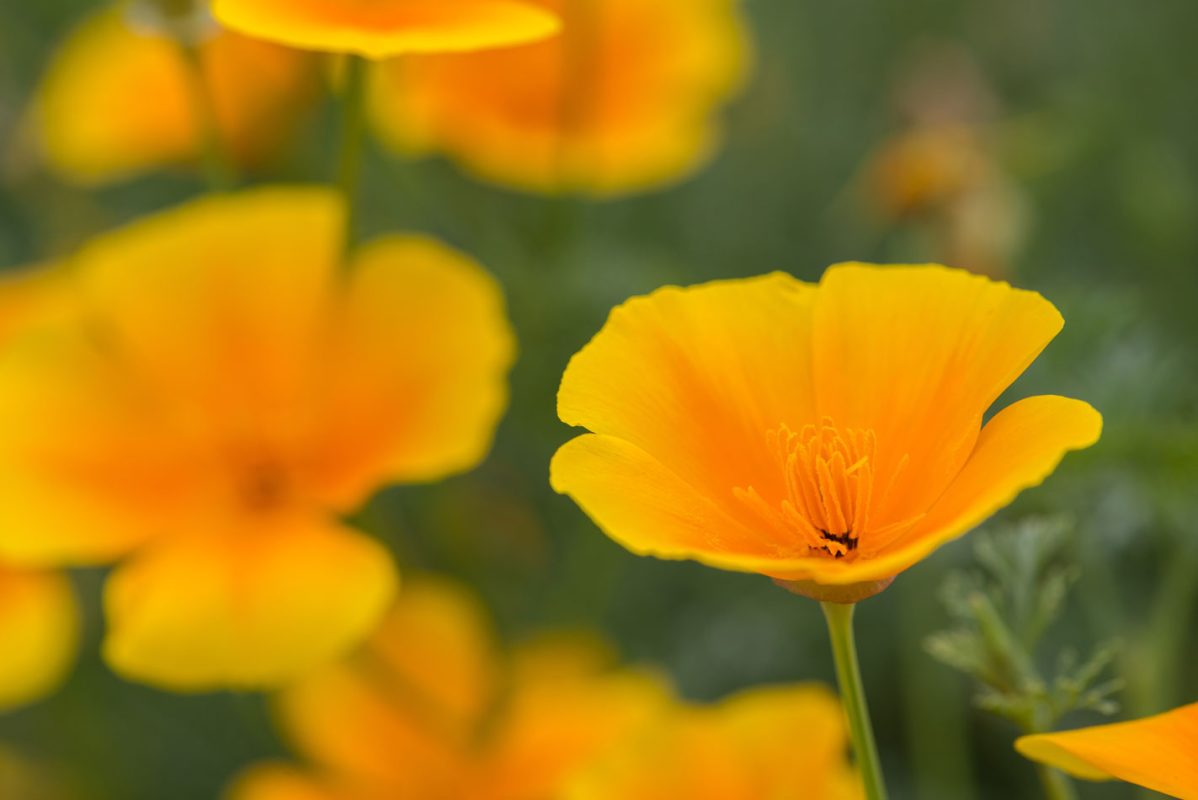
point(1089, 113)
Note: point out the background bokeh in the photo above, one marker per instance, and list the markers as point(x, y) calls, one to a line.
point(1085, 116)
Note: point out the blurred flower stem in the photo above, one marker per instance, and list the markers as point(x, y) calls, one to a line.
point(217, 168)
point(353, 123)
point(848, 675)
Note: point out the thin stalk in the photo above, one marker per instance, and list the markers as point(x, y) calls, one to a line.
point(1057, 785)
point(217, 169)
point(349, 160)
point(852, 694)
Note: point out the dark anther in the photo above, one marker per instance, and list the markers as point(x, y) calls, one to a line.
point(846, 540)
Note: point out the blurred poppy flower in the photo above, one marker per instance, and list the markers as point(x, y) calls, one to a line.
point(941, 176)
point(625, 100)
point(119, 100)
point(1159, 753)
point(39, 617)
point(828, 436)
point(39, 625)
point(783, 743)
point(384, 28)
point(430, 709)
point(220, 396)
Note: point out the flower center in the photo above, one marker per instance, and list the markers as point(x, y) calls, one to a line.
point(828, 493)
point(263, 488)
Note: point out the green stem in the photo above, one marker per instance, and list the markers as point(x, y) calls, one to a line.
point(218, 171)
point(353, 123)
point(848, 675)
point(1057, 785)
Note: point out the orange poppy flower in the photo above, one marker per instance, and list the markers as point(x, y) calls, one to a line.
point(119, 100)
point(39, 625)
point(384, 28)
point(1159, 753)
point(782, 743)
point(39, 617)
point(219, 396)
point(431, 710)
point(625, 100)
point(828, 436)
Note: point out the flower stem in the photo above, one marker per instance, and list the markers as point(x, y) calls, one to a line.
point(848, 675)
point(1057, 785)
point(349, 162)
point(218, 171)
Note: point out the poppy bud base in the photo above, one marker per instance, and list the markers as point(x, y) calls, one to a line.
point(844, 595)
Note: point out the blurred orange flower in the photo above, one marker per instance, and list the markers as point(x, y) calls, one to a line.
point(947, 179)
point(1159, 753)
point(430, 710)
point(781, 743)
point(39, 617)
point(384, 28)
point(941, 178)
point(118, 100)
point(220, 394)
point(830, 436)
point(39, 625)
point(625, 100)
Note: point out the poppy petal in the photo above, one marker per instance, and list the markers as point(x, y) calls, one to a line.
point(917, 355)
point(220, 302)
point(245, 608)
point(696, 378)
point(395, 713)
point(1018, 449)
point(397, 409)
point(566, 705)
point(39, 625)
point(281, 782)
point(647, 508)
point(91, 465)
point(1159, 753)
point(94, 125)
point(624, 100)
point(737, 749)
point(382, 29)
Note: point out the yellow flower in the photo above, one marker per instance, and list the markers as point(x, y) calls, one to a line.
point(117, 101)
point(1159, 753)
point(39, 625)
point(781, 743)
point(625, 100)
point(221, 395)
point(384, 28)
point(39, 618)
point(430, 710)
point(829, 436)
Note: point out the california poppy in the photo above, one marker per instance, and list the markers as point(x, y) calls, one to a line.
point(1159, 753)
point(384, 28)
point(828, 436)
point(432, 708)
point(118, 100)
point(39, 625)
point(625, 100)
point(777, 742)
point(39, 616)
point(221, 393)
